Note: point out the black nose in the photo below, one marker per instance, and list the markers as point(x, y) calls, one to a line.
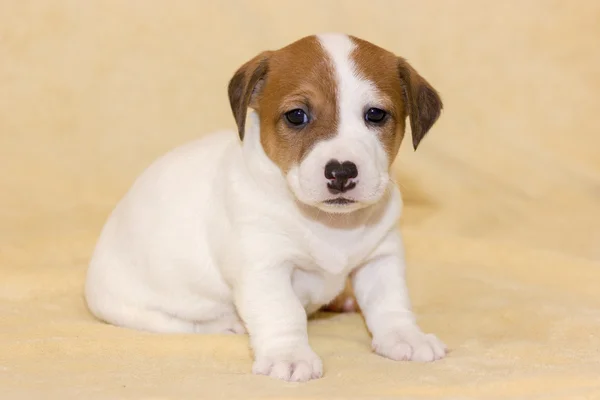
point(339, 174)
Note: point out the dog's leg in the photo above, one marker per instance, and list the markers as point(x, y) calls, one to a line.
point(277, 324)
point(227, 324)
point(160, 322)
point(145, 320)
point(382, 295)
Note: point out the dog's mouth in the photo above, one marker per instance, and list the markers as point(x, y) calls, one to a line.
point(339, 201)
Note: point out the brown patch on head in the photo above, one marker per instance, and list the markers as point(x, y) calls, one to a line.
point(405, 91)
point(298, 76)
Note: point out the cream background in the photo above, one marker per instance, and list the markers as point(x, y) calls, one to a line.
point(503, 197)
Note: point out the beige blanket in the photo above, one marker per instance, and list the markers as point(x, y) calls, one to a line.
point(502, 220)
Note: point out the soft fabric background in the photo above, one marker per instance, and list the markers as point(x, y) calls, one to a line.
point(502, 221)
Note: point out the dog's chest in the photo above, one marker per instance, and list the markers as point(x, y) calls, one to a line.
point(331, 255)
point(315, 288)
point(338, 251)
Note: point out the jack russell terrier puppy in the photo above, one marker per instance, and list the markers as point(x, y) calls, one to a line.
point(224, 235)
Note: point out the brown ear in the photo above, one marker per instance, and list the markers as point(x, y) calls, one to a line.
point(244, 88)
point(423, 103)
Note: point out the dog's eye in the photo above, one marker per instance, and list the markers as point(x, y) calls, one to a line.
point(296, 117)
point(375, 115)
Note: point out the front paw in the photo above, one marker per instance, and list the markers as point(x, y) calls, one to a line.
point(298, 366)
point(410, 346)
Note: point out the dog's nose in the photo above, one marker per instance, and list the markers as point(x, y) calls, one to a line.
point(339, 174)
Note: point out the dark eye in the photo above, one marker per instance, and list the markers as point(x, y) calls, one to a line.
point(375, 115)
point(296, 117)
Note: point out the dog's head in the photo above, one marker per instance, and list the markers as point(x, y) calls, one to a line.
point(332, 112)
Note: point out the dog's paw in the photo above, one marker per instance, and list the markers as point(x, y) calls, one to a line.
point(298, 367)
point(410, 346)
point(235, 328)
point(342, 304)
point(345, 302)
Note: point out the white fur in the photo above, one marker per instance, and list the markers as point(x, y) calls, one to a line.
point(211, 232)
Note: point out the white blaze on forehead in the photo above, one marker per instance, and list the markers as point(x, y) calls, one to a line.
point(353, 91)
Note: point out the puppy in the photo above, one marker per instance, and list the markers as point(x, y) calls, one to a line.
point(224, 235)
